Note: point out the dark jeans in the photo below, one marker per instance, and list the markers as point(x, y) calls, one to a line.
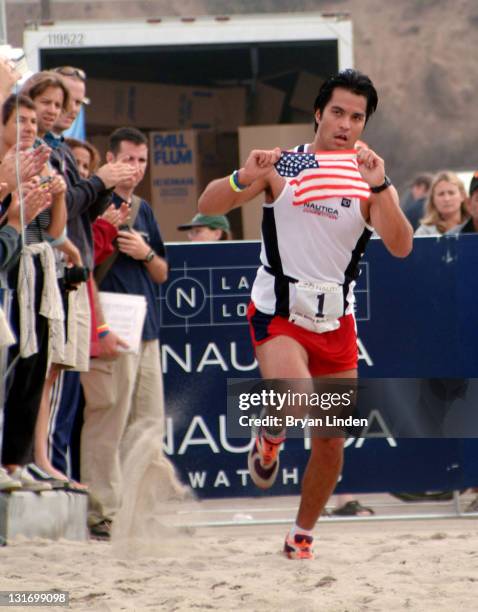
point(23, 400)
point(25, 384)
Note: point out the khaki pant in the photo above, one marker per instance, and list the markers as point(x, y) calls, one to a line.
point(118, 394)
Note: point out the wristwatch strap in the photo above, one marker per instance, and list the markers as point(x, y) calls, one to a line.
point(386, 183)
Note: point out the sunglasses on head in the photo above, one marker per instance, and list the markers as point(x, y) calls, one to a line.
point(71, 72)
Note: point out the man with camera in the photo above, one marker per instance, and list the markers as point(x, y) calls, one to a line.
point(127, 391)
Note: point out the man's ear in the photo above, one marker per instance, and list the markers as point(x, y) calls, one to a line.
point(109, 157)
point(317, 115)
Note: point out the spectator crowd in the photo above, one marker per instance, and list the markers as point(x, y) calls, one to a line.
point(71, 226)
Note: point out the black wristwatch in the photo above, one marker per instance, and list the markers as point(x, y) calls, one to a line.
point(379, 188)
point(149, 256)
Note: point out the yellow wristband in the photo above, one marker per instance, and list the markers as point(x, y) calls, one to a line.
point(233, 185)
point(234, 182)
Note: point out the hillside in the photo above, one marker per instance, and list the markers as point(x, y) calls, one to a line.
point(420, 53)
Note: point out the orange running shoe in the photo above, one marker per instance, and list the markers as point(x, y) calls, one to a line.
point(263, 461)
point(299, 546)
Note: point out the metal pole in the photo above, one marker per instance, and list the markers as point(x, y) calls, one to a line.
point(335, 519)
point(456, 502)
point(45, 11)
point(5, 303)
point(3, 23)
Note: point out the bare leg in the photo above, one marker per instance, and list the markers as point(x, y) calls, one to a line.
point(320, 478)
point(41, 428)
point(41, 434)
point(322, 472)
point(284, 357)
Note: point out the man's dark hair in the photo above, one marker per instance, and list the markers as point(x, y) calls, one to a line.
point(129, 134)
point(11, 104)
point(424, 179)
point(353, 81)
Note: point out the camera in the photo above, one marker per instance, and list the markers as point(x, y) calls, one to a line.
point(121, 228)
point(74, 276)
point(45, 182)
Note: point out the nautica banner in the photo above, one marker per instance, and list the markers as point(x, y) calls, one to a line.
point(416, 320)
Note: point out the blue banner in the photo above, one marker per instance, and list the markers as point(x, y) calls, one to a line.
point(416, 318)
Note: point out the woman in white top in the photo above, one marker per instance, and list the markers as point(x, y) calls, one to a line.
point(445, 207)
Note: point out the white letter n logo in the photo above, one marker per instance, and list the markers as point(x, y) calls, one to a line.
point(182, 295)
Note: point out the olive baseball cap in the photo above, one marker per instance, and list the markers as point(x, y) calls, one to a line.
point(214, 222)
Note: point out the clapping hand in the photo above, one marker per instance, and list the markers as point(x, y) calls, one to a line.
point(117, 216)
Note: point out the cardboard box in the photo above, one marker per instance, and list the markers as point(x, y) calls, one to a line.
point(182, 163)
point(267, 104)
point(305, 91)
point(298, 116)
point(151, 105)
point(100, 141)
point(266, 137)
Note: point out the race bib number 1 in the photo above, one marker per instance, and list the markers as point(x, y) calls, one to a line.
point(317, 306)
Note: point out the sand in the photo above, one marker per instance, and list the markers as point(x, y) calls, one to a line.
point(416, 565)
point(166, 555)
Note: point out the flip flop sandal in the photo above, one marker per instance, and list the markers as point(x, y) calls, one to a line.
point(353, 508)
point(76, 487)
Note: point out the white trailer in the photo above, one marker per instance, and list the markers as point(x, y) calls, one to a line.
point(220, 72)
point(306, 35)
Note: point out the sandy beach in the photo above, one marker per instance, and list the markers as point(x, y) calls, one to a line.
point(416, 565)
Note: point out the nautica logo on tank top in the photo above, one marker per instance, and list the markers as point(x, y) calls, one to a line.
point(321, 210)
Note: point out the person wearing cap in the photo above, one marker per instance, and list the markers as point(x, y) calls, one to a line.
point(471, 225)
point(205, 228)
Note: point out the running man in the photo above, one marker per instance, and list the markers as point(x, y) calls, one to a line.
point(316, 242)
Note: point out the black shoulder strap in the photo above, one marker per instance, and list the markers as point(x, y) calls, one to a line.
point(102, 270)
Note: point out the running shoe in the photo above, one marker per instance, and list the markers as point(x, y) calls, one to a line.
point(28, 482)
point(299, 546)
point(7, 484)
point(38, 474)
point(263, 461)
